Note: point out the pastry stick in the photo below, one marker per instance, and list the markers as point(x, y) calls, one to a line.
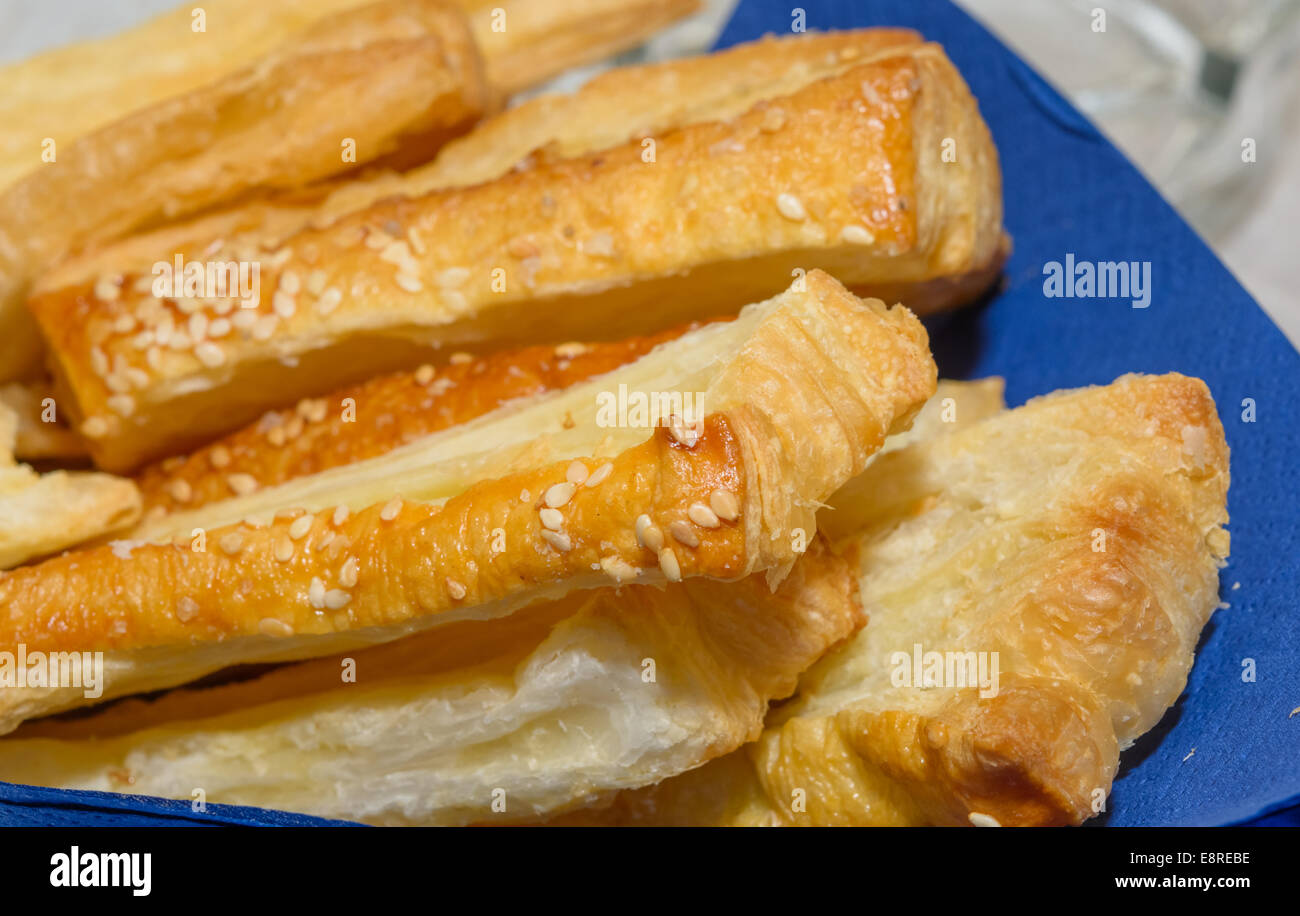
point(41, 432)
point(554, 493)
point(556, 706)
point(844, 174)
point(626, 103)
point(1076, 541)
point(397, 77)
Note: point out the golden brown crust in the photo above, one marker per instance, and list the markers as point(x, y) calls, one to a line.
point(1079, 539)
point(560, 704)
point(603, 246)
point(808, 385)
point(398, 76)
point(42, 431)
point(370, 419)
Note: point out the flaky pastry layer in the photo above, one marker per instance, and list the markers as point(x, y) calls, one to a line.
point(843, 174)
point(801, 391)
point(1078, 539)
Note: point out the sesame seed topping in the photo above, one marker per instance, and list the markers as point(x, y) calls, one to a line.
point(557, 539)
point(570, 350)
point(316, 281)
point(348, 574)
point(684, 533)
point(618, 569)
point(340, 515)
point(219, 456)
point(275, 435)
point(329, 300)
point(264, 327)
point(300, 527)
point(290, 283)
point(461, 358)
point(682, 432)
point(283, 549)
point(559, 494)
point(94, 427)
point(702, 515)
point(98, 361)
point(409, 283)
point(791, 207)
point(424, 374)
point(230, 542)
point(180, 490)
point(186, 609)
point(576, 473)
point(456, 589)
point(552, 518)
point(210, 354)
point(325, 540)
point(219, 327)
point(982, 820)
point(269, 626)
point(648, 533)
point(525, 496)
point(316, 593)
point(108, 288)
point(416, 241)
point(124, 324)
point(284, 305)
point(242, 484)
point(773, 120)
point(244, 319)
point(453, 277)
point(672, 570)
point(724, 505)
point(856, 235)
point(598, 476)
point(390, 510)
point(336, 598)
point(121, 404)
point(198, 326)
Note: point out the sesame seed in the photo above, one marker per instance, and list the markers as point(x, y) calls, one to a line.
point(283, 549)
point(276, 436)
point(570, 350)
point(300, 527)
point(219, 327)
point(336, 598)
point(559, 494)
point(791, 207)
point(525, 496)
point(242, 484)
point(329, 300)
point(290, 283)
point(378, 239)
point(982, 820)
point(390, 510)
point(461, 358)
point(219, 456)
point(230, 542)
point(618, 569)
point(456, 589)
point(153, 357)
point(417, 242)
point(198, 326)
point(424, 374)
point(558, 539)
point(264, 327)
point(188, 305)
point(316, 593)
point(598, 476)
point(283, 304)
point(180, 490)
point(648, 533)
point(409, 283)
point(117, 382)
point(210, 354)
point(124, 324)
point(773, 120)
point(143, 283)
point(702, 515)
point(684, 533)
point(180, 340)
point(293, 429)
point(186, 609)
point(552, 518)
point(121, 404)
point(682, 433)
point(279, 258)
point(672, 570)
point(244, 319)
point(348, 574)
point(142, 340)
point(316, 281)
point(94, 427)
point(576, 473)
point(340, 515)
point(856, 235)
point(453, 277)
point(108, 288)
point(724, 505)
point(137, 377)
point(269, 626)
point(325, 540)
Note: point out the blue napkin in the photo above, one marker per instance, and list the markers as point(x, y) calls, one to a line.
point(1068, 191)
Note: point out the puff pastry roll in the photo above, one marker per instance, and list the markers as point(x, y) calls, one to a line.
point(618, 105)
point(44, 513)
point(41, 432)
point(844, 174)
point(1079, 538)
point(496, 722)
point(395, 78)
point(531, 501)
point(382, 414)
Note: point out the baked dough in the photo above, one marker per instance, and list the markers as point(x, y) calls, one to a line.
point(795, 395)
point(1079, 537)
point(394, 77)
point(556, 706)
point(614, 107)
point(41, 514)
point(371, 419)
point(597, 247)
point(41, 433)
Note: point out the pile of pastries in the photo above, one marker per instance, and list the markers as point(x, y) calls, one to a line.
point(580, 460)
